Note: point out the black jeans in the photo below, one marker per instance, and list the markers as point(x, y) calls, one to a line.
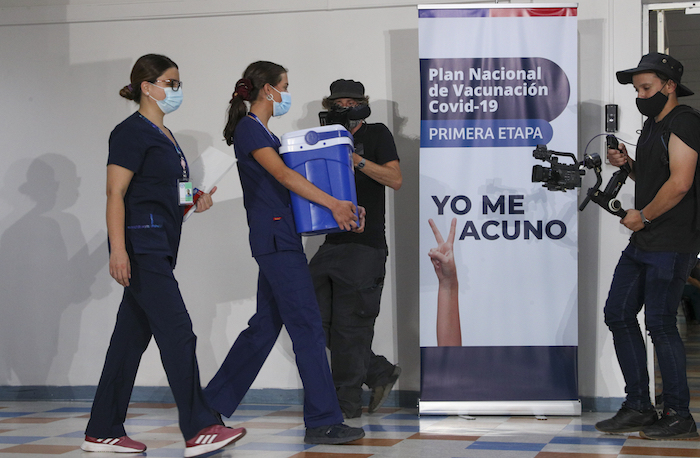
point(348, 279)
point(655, 280)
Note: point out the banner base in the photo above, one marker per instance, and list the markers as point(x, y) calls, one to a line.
point(568, 408)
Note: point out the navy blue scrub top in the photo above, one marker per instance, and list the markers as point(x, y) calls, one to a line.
point(267, 202)
point(153, 213)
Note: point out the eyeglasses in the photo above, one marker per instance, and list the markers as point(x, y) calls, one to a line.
point(175, 84)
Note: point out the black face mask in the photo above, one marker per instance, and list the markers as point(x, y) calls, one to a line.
point(652, 106)
point(344, 115)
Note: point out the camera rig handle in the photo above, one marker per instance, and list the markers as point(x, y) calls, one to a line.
point(606, 199)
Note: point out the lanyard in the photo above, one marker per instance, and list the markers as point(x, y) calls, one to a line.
point(183, 162)
point(276, 140)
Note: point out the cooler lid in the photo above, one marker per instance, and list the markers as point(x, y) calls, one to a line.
point(315, 138)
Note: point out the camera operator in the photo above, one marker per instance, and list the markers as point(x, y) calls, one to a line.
point(662, 251)
point(348, 270)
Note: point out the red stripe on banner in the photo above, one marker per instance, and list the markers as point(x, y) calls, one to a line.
point(532, 12)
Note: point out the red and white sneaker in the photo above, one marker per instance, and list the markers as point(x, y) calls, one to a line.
point(212, 438)
point(113, 444)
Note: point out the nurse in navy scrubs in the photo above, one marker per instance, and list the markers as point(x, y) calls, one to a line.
point(147, 191)
point(285, 290)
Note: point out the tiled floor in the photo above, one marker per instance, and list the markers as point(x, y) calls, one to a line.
point(46, 429)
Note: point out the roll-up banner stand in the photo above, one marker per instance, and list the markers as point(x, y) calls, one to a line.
point(496, 81)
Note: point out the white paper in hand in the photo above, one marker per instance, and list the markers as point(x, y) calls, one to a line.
point(207, 170)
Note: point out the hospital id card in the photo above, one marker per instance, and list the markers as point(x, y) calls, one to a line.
point(186, 195)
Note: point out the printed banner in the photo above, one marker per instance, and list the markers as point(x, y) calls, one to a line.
point(499, 287)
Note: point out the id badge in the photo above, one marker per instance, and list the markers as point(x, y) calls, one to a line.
point(185, 191)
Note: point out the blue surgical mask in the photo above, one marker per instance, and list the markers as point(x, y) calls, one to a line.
point(280, 108)
point(172, 100)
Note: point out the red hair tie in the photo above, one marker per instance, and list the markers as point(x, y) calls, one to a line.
point(243, 89)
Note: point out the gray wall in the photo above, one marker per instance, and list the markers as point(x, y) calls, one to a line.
point(62, 66)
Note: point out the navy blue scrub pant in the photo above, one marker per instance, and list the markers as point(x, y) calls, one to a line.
point(151, 306)
point(285, 296)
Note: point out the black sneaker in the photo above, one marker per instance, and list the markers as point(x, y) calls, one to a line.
point(333, 434)
point(671, 426)
point(628, 420)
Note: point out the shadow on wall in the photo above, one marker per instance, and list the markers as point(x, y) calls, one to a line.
point(589, 310)
point(406, 255)
point(215, 243)
point(405, 107)
point(48, 273)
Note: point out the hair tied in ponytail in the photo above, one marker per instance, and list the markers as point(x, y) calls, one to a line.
point(243, 89)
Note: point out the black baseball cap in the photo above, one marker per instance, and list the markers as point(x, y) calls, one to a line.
point(657, 62)
point(341, 89)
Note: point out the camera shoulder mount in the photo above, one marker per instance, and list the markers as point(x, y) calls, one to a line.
point(606, 198)
point(560, 177)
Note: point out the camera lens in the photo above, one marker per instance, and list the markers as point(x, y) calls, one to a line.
point(540, 173)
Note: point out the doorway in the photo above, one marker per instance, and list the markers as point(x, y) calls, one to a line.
point(673, 29)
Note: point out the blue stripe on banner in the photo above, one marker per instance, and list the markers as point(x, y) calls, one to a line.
point(484, 133)
point(469, 12)
point(499, 373)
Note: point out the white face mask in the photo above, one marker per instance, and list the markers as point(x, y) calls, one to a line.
point(172, 100)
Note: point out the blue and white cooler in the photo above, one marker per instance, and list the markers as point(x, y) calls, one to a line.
point(323, 155)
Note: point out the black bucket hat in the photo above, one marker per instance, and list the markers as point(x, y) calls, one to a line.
point(657, 62)
point(341, 89)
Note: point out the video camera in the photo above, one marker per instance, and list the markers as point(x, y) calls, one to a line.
point(560, 177)
point(343, 115)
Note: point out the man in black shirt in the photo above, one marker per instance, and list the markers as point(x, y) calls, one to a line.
point(662, 251)
point(349, 268)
